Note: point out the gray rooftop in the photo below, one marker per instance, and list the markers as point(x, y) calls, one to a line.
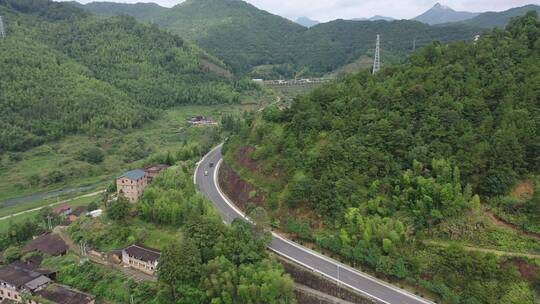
point(37, 282)
point(134, 174)
point(17, 275)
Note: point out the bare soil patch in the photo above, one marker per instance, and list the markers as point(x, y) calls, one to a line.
point(216, 69)
point(527, 271)
point(524, 189)
point(244, 159)
point(238, 190)
point(502, 223)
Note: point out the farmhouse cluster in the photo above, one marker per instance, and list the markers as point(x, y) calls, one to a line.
point(131, 185)
point(28, 282)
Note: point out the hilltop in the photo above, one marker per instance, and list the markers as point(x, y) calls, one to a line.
point(443, 14)
point(500, 19)
point(307, 22)
point(140, 11)
point(262, 45)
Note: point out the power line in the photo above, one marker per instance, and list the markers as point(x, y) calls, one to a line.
point(377, 60)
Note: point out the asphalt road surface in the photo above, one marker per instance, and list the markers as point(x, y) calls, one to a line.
point(206, 178)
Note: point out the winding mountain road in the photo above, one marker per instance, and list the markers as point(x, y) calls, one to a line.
point(371, 287)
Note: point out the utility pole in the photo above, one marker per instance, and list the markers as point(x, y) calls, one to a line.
point(2, 31)
point(377, 60)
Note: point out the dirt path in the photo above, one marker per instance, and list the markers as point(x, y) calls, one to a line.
point(502, 223)
point(51, 205)
point(485, 250)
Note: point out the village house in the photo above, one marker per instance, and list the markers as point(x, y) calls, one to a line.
point(201, 120)
point(132, 184)
point(141, 258)
point(152, 171)
point(16, 279)
point(78, 212)
point(63, 210)
point(51, 244)
point(62, 295)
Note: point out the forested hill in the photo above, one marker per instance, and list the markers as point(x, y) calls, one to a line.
point(141, 11)
point(233, 30)
point(500, 19)
point(326, 47)
point(89, 73)
point(475, 106)
point(371, 168)
point(262, 45)
point(265, 45)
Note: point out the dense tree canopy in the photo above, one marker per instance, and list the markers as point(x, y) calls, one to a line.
point(369, 164)
point(65, 72)
point(263, 45)
point(460, 111)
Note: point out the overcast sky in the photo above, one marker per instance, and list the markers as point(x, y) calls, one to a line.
point(325, 10)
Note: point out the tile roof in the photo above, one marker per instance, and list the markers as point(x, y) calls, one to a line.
point(62, 295)
point(143, 253)
point(154, 168)
point(62, 209)
point(37, 282)
point(134, 174)
point(49, 243)
point(18, 276)
point(31, 266)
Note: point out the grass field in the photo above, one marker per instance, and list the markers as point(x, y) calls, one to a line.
point(55, 166)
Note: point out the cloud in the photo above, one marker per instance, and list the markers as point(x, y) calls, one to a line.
point(325, 10)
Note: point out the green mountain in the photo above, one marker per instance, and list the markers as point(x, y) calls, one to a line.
point(263, 45)
point(64, 72)
point(383, 170)
point(326, 47)
point(141, 11)
point(500, 19)
point(443, 14)
point(307, 22)
point(234, 31)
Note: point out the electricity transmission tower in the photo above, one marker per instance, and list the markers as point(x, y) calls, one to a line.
point(377, 60)
point(2, 32)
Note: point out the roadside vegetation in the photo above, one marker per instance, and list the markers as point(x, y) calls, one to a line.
point(394, 172)
point(203, 260)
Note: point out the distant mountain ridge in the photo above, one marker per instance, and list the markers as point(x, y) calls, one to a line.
point(307, 22)
point(141, 11)
point(443, 14)
point(263, 45)
point(375, 18)
point(500, 19)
